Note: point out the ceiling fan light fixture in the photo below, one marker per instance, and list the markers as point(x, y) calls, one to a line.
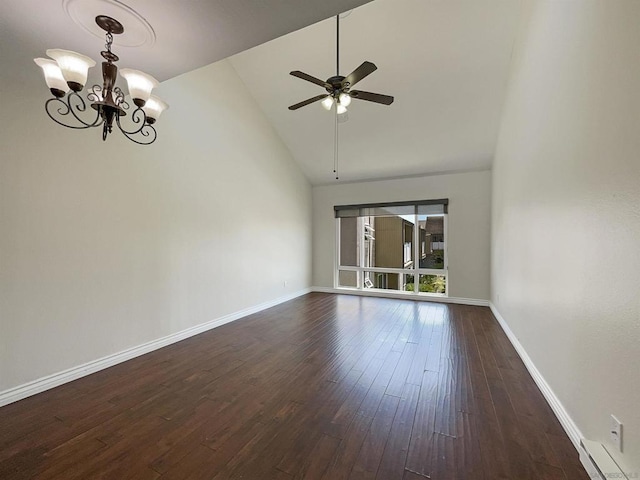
point(345, 99)
point(327, 103)
point(340, 109)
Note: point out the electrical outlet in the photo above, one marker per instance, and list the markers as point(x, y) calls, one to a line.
point(284, 284)
point(615, 432)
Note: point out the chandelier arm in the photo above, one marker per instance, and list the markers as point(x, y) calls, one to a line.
point(81, 107)
point(96, 94)
point(146, 131)
point(135, 118)
point(65, 109)
point(119, 100)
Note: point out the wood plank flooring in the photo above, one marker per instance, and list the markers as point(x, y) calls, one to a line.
point(324, 387)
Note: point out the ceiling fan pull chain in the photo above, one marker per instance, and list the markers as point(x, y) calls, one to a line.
point(335, 147)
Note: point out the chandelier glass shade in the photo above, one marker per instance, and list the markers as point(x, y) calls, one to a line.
point(65, 74)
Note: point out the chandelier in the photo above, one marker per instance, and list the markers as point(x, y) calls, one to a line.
point(68, 71)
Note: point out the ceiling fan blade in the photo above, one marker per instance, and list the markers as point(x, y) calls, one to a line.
point(309, 78)
point(308, 101)
point(359, 73)
point(372, 97)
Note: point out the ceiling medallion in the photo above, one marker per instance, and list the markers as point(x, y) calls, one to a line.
point(139, 32)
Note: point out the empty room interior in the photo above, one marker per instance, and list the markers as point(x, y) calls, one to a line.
point(290, 239)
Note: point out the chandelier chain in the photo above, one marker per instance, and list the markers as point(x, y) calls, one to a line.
point(335, 147)
point(109, 41)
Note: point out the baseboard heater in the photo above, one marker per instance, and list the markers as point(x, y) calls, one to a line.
point(598, 463)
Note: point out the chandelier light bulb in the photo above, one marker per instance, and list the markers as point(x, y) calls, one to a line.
point(341, 109)
point(74, 67)
point(53, 76)
point(140, 85)
point(327, 103)
point(345, 99)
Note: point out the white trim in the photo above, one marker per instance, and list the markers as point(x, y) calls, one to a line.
point(554, 402)
point(445, 236)
point(50, 381)
point(403, 296)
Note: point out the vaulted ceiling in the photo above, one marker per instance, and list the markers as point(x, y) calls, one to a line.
point(446, 62)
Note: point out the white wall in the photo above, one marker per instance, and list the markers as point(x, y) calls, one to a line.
point(469, 197)
point(107, 245)
point(566, 210)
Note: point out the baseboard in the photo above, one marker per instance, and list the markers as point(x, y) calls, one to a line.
point(404, 296)
point(554, 402)
point(50, 381)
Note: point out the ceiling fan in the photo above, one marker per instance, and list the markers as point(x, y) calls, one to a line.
point(339, 88)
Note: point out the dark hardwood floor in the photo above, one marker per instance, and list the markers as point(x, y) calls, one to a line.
point(323, 387)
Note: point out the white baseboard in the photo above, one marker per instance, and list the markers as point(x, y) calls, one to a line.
point(565, 419)
point(50, 381)
point(404, 296)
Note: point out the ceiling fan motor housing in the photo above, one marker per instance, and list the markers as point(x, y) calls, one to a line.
point(336, 85)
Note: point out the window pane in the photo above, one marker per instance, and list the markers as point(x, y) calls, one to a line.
point(349, 254)
point(368, 225)
point(384, 281)
point(390, 241)
point(431, 241)
point(347, 278)
point(429, 284)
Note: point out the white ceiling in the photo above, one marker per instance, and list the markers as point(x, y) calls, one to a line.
point(446, 62)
